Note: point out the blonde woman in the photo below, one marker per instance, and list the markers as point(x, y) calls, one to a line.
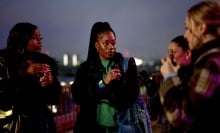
point(194, 103)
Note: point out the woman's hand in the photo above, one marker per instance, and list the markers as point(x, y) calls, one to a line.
point(167, 67)
point(42, 71)
point(112, 75)
point(35, 68)
point(46, 79)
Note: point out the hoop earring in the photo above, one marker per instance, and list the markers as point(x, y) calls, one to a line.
point(21, 50)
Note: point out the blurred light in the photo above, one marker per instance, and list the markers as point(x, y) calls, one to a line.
point(138, 61)
point(126, 53)
point(71, 82)
point(74, 60)
point(65, 59)
point(54, 109)
point(62, 83)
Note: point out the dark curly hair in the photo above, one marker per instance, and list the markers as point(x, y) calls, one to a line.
point(19, 36)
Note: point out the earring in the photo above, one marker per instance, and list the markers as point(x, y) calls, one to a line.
point(21, 50)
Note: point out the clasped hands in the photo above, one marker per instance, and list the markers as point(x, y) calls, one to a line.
point(167, 67)
point(44, 70)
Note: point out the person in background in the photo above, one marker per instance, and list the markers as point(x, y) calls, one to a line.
point(194, 103)
point(178, 51)
point(100, 80)
point(34, 76)
point(180, 55)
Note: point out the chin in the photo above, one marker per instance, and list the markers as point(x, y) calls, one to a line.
point(110, 55)
point(39, 50)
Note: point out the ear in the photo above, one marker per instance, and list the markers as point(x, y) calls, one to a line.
point(188, 54)
point(203, 28)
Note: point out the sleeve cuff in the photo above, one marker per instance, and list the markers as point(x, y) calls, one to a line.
point(169, 75)
point(101, 84)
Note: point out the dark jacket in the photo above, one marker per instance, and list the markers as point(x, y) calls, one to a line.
point(121, 93)
point(7, 92)
point(33, 99)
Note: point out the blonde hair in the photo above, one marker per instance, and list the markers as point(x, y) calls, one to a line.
point(207, 12)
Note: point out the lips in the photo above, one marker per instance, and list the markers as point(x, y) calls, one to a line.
point(111, 52)
point(38, 49)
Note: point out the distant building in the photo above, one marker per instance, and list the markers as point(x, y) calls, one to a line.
point(69, 60)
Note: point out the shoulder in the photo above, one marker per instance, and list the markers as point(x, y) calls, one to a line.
point(82, 67)
point(128, 60)
point(3, 53)
point(120, 57)
point(84, 64)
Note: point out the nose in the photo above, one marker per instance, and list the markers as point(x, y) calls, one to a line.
point(40, 38)
point(111, 45)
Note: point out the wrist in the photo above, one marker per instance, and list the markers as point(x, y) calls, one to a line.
point(169, 75)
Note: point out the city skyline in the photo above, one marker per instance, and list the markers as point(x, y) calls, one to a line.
point(143, 28)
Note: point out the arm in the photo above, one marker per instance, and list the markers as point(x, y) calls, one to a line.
point(52, 84)
point(6, 90)
point(183, 102)
point(41, 76)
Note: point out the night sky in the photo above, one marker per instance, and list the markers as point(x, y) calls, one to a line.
point(143, 27)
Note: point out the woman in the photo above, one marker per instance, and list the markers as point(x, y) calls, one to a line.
point(34, 77)
point(180, 55)
point(178, 51)
point(101, 88)
point(193, 103)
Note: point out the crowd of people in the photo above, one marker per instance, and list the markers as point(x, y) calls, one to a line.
point(106, 88)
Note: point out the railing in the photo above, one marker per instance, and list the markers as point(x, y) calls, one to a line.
point(65, 116)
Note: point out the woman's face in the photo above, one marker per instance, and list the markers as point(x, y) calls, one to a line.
point(193, 34)
point(178, 55)
point(35, 44)
point(106, 45)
